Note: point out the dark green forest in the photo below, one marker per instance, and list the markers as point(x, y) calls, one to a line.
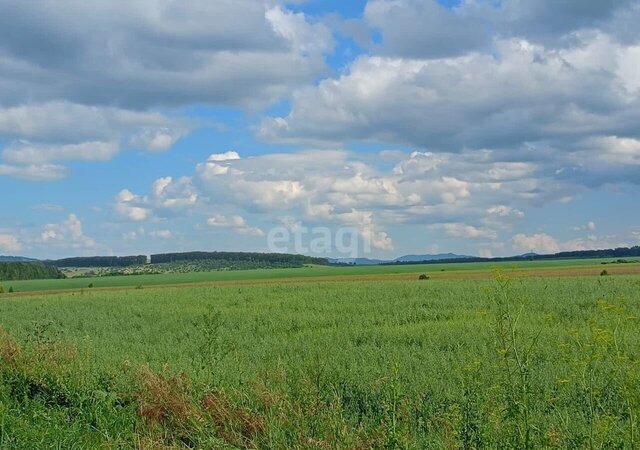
point(99, 261)
point(270, 259)
point(28, 271)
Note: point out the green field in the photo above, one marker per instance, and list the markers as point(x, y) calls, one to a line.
point(530, 363)
point(305, 272)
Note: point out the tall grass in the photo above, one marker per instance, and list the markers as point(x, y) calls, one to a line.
point(504, 364)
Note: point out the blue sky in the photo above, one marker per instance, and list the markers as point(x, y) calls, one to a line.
point(477, 127)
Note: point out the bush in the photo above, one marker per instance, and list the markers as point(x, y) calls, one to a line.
point(423, 277)
point(604, 273)
point(10, 289)
point(90, 285)
point(1, 289)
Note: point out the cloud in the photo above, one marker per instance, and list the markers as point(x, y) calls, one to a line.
point(68, 233)
point(141, 233)
point(134, 234)
point(590, 226)
point(31, 172)
point(550, 21)
point(41, 154)
point(161, 234)
point(463, 194)
point(237, 223)
point(169, 195)
point(126, 206)
point(224, 221)
point(423, 29)
point(47, 207)
point(63, 131)
point(9, 243)
point(145, 54)
point(505, 211)
point(167, 198)
point(226, 156)
point(474, 101)
point(462, 230)
point(593, 242)
point(475, 195)
point(543, 243)
point(156, 140)
point(80, 83)
point(250, 231)
point(65, 122)
point(536, 243)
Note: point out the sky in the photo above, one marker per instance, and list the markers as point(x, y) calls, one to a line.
point(479, 127)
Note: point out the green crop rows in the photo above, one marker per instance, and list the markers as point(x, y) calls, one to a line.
point(384, 364)
point(276, 274)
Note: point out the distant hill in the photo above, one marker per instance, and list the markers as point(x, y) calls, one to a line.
point(402, 259)
point(4, 258)
point(357, 261)
point(622, 252)
point(438, 257)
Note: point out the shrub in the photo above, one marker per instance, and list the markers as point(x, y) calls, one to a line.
point(1, 289)
point(423, 277)
point(604, 273)
point(90, 285)
point(10, 289)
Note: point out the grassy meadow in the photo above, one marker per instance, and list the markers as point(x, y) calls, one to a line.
point(495, 363)
point(436, 270)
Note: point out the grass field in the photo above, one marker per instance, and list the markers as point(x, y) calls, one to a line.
point(444, 271)
point(478, 363)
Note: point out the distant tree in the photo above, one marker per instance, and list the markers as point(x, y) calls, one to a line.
point(604, 273)
point(10, 289)
point(1, 289)
point(423, 277)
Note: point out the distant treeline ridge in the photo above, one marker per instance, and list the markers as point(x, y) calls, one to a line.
point(299, 260)
point(620, 252)
point(10, 271)
point(272, 258)
point(99, 261)
point(126, 261)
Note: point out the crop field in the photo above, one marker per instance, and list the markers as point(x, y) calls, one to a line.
point(492, 362)
point(481, 270)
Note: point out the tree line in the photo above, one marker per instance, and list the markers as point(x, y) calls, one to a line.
point(99, 261)
point(267, 258)
point(239, 258)
point(10, 271)
point(620, 252)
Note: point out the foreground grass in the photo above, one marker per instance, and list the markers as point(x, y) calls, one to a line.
point(432, 364)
